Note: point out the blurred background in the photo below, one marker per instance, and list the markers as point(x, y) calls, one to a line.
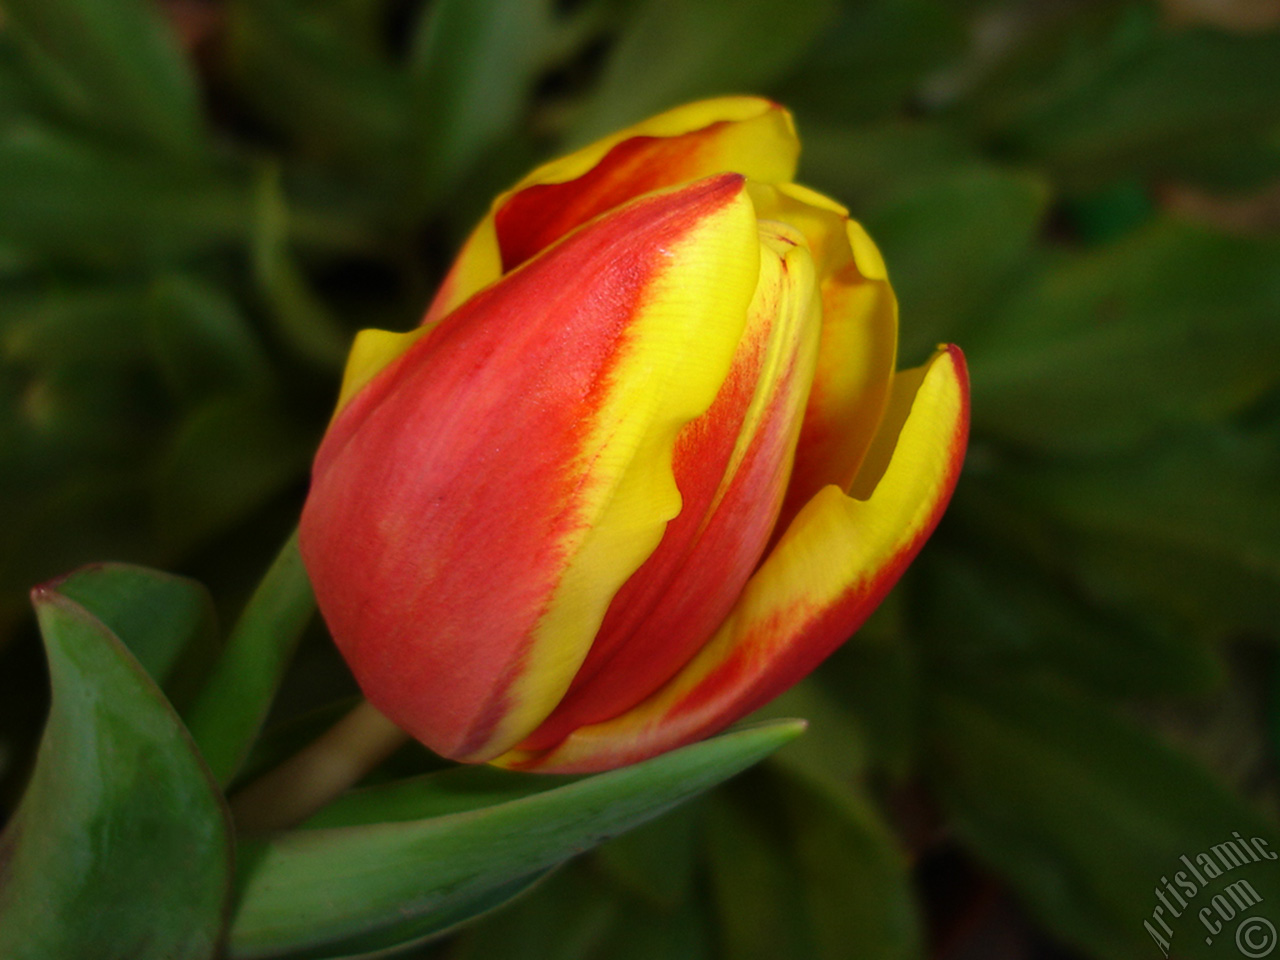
point(1077, 683)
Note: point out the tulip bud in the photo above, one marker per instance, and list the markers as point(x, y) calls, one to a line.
point(643, 466)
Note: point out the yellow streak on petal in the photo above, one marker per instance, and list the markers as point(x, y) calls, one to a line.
point(681, 343)
point(837, 545)
point(759, 141)
point(370, 352)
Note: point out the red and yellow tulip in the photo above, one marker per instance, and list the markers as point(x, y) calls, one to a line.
point(643, 466)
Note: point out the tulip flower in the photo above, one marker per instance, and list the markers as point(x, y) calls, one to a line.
point(643, 466)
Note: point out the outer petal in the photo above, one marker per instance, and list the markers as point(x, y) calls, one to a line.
point(829, 571)
point(731, 465)
point(859, 341)
point(745, 135)
point(475, 507)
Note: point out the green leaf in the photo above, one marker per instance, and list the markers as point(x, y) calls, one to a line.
point(1171, 326)
point(1117, 95)
point(302, 320)
point(657, 861)
point(833, 751)
point(672, 51)
point(121, 847)
point(952, 244)
point(875, 679)
point(1186, 535)
point(202, 341)
point(339, 891)
point(99, 325)
point(872, 59)
point(229, 456)
point(68, 199)
point(758, 905)
point(576, 915)
point(472, 71)
point(1085, 815)
point(318, 84)
point(854, 878)
point(987, 608)
point(116, 65)
point(871, 165)
point(805, 868)
point(455, 790)
point(167, 622)
point(229, 712)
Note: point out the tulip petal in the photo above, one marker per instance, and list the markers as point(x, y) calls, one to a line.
point(477, 504)
point(746, 135)
point(859, 341)
point(731, 466)
point(371, 351)
point(831, 568)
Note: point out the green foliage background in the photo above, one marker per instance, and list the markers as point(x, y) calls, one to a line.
point(1077, 683)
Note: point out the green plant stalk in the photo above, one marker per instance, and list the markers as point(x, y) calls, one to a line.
point(318, 773)
point(226, 717)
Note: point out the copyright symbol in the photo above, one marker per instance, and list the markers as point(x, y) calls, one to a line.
point(1256, 937)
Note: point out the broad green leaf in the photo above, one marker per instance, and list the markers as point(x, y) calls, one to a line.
point(1121, 95)
point(317, 84)
point(854, 877)
point(472, 70)
point(672, 51)
point(987, 608)
point(657, 861)
point(346, 890)
point(1187, 534)
point(302, 321)
point(455, 790)
point(50, 325)
point(874, 678)
point(202, 341)
point(576, 915)
point(759, 906)
point(804, 868)
point(66, 198)
point(872, 59)
point(115, 65)
point(230, 709)
point(952, 245)
point(121, 847)
point(872, 165)
point(1171, 326)
point(1085, 815)
point(568, 916)
point(833, 750)
point(167, 622)
point(229, 456)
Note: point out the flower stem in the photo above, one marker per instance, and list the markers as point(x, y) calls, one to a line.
point(322, 770)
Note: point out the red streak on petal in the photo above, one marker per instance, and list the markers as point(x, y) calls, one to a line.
point(778, 651)
point(443, 491)
point(670, 607)
point(538, 216)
